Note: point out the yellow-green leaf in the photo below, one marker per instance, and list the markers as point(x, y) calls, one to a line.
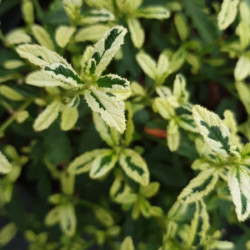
point(127, 244)
point(67, 219)
point(173, 135)
point(136, 32)
point(63, 35)
point(28, 11)
point(7, 233)
point(156, 12)
point(242, 68)
point(244, 93)
point(10, 93)
point(69, 118)
point(5, 166)
point(17, 36)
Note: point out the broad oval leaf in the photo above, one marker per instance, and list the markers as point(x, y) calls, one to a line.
point(46, 118)
point(134, 166)
point(199, 186)
point(40, 55)
point(42, 36)
point(227, 13)
point(111, 111)
point(136, 32)
point(239, 186)
point(17, 36)
point(215, 133)
point(67, 219)
point(103, 163)
point(5, 166)
point(69, 118)
point(63, 35)
point(106, 48)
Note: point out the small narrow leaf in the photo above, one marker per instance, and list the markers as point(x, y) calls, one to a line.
point(199, 186)
point(244, 93)
point(173, 135)
point(215, 133)
point(239, 186)
point(7, 233)
point(227, 13)
point(136, 32)
point(67, 219)
point(46, 118)
point(53, 216)
point(102, 164)
point(10, 93)
point(28, 11)
point(17, 36)
point(134, 166)
point(127, 244)
point(63, 35)
point(242, 69)
point(42, 36)
point(97, 16)
point(111, 111)
point(5, 166)
point(69, 118)
point(179, 90)
point(156, 12)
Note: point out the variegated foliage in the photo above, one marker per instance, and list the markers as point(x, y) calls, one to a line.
point(105, 94)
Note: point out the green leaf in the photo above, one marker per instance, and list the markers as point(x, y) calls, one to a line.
point(155, 12)
point(40, 55)
point(72, 8)
point(106, 48)
point(187, 122)
point(67, 219)
point(63, 35)
point(111, 111)
point(42, 36)
point(181, 25)
point(53, 216)
point(179, 90)
point(97, 16)
point(244, 93)
point(127, 244)
point(228, 12)
point(147, 64)
point(136, 32)
point(173, 135)
point(7, 233)
point(130, 129)
point(5, 166)
point(104, 216)
point(109, 135)
point(162, 65)
point(10, 93)
point(28, 11)
point(46, 118)
point(103, 163)
point(115, 86)
point(215, 133)
point(239, 186)
point(69, 118)
point(82, 163)
point(242, 69)
point(150, 190)
point(134, 166)
point(199, 186)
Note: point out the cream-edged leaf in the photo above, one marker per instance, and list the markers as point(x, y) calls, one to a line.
point(134, 166)
point(40, 55)
point(97, 16)
point(115, 86)
point(17, 36)
point(82, 163)
point(136, 32)
point(111, 111)
point(63, 35)
point(239, 186)
point(242, 68)
point(199, 186)
point(173, 135)
point(228, 12)
point(215, 133)
point(91, 33)
point(108, 134)
point(179, 90)
point(103, 163)
point(164, 108)
point(48, 116)
point(148, 64)
point(67, 219)
point(106, 48)
point(69, 118)
point(186, 122)
point(5, 166)
point(42, 36)
point(155, 12)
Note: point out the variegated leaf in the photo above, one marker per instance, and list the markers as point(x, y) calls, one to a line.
point(128, 6)
point(5, 166)
point(173, 135)
point(239, 185)
point(128, 136)
point(106, 48)
point(134, 166)
point(72, 8)
point(245, 155)
point(115, 86)
point(48, 116)
point(111, 111)
point(147, 64)
point(215, 133)
point(40, 55)
point(103, 163)
point(242, 69)
point(91, 33)
point(156, 12)
point(109, 135)
point(42, 36)
point(227, 13)
point(136, 32)
point(162, 64)
point(67, 219)
point(186, 122)
point(63, 35)
point(164, 108)
point(97, 16)
point(82, 163)
point(179, 90)
point(69, 118)
point(199, 186)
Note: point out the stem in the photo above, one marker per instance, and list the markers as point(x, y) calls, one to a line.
point(8, 122)
point(39, 10)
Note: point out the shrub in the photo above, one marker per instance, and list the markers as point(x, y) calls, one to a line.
point(112, 134)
